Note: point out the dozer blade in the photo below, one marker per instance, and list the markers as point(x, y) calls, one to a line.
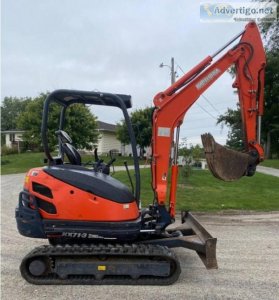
point(192, 235)
point(224, 163)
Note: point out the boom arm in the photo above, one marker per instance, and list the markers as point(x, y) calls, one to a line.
point(171, 106)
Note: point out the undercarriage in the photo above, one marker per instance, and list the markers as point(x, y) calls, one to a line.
point(86, 258)
point(101, 264)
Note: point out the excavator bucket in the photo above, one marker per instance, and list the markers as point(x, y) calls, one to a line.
point(224, 163)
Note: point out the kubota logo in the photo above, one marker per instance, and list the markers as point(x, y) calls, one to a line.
point(207, 78)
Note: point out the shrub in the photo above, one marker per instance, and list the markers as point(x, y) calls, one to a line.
point(7, 151)
point(186, 171)
point(4, 162)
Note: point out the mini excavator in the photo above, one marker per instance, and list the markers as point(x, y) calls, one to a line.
point(97, 231)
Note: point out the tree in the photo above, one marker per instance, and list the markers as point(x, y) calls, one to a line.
point(195, 152)
point(142, 124)
point(232, 118)
point(11, 108)
point(80, 124)
point(270, 124)
point(270, 30)
point(122, 133)
point(183, 149)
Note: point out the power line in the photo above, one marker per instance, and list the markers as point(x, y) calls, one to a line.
point(206, 111)
point(206, 99)
point(187, 128)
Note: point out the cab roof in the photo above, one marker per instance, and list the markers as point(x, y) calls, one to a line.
point(68, 97)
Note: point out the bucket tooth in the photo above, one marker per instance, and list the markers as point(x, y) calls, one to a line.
point(224, 163)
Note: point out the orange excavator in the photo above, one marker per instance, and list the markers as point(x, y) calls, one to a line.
point(97, 230)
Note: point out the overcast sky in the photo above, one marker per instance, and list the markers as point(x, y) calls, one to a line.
point(113, 46)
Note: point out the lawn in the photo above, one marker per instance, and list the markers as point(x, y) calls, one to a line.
point(199, 192)
point(271, 163)
point(21, 163)
point(203, 192)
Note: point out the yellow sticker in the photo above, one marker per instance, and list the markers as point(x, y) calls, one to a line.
point(102, 268)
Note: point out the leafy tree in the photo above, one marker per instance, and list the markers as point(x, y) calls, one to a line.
point(122, 133)
point(11, 108)
point(196, 152)
point(232, 118)
point(80, 123)
point(271, 115)
point(270, 30)
point(142, 124)
point(183, 149)
point(270, 123)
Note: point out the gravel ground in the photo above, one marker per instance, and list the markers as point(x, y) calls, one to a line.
point(247, 251)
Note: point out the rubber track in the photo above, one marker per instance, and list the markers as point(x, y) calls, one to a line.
point(125, 250)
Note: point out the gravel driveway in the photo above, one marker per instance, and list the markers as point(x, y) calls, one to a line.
point(247, 251)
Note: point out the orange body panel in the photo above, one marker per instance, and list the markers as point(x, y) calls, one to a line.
point(75, 204)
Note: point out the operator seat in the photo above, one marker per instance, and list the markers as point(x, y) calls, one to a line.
point(67, 148)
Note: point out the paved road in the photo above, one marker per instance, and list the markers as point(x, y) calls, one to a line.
point(268, 171)
point(247, 249)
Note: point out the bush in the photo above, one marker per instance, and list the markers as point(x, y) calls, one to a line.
point(7, 151)
point(4, 162)
point(186, 171)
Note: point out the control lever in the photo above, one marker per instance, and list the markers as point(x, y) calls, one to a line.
point(111, 156)
point(96, 155)
point(98, 164)
point(111, 162)
point(129, 175)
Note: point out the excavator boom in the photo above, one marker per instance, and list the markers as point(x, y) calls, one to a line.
point(248, 57)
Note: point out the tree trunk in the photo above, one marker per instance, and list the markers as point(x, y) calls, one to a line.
point(268, 142)
point(141, 152)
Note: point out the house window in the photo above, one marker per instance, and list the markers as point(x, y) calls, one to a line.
point(12, 137)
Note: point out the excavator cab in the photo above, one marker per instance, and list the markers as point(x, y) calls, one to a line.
point(66, 98)
point(99, 201)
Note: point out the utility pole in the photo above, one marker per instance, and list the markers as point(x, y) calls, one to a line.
point(173, 73)
point(174, 147)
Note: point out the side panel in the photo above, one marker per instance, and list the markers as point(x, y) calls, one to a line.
point(72, 203)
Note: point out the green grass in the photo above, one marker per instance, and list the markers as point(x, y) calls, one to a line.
point(271, 163)
point(21, 163)
point(200, 192)
point(203, 192)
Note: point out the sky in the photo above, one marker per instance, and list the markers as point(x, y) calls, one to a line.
point(117, 47)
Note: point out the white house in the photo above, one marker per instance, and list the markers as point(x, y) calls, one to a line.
point(107, 139)
point(12, 137)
